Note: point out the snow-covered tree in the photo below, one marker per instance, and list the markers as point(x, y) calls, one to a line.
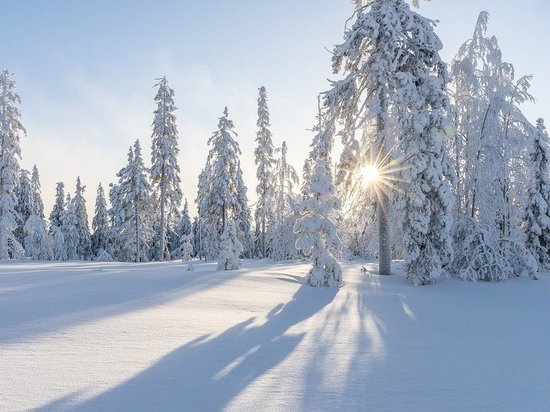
point(264, 173)
point(489, 146)
point(182, 228)
point(24, 208)
point(537, 225)
point(36, 240)
point(35, 237)
point(84, 250)
point(222, 193)
point(230, 249)
point(56, 223)
point(164, 159)
point(315, 227)
point(100, 224)
point(134, 227)
point(11, 131)
point(70, 230)
point(284, 204)
point(187, 250)
point(37, 193)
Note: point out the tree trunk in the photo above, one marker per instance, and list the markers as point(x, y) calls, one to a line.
point(162, 218)
point(384, 248)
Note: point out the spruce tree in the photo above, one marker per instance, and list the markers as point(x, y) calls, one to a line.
point(315, 228)
point(37, 193)
point(70, 230)
point(100, 224)
point(222, 193)
point(264, 173)
point(11, 131)
point(56, 223)
point(84, 250)
point(164, 159)
point(537, 217)
point(24, 208)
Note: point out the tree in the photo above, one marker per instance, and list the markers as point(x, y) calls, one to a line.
point(231, 248)
point(187, 250)
point(223, 196)
point(537, 215)
point(315, 228)
point(11, 130)
point(264, 173)
point(182, 228)
point(100, 224)
point(70, 230)
point(56, 223)
point(284, 205)
point(84, 249)
point(491, 136)
point(36, 240)
point(134, 192)
point(24, 208)
point(164, 158)
point(37, 192)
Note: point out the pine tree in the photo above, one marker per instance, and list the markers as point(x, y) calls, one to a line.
point(165, 169)
point(56, 223)
point(231, 248)
point(69, 228)
point(24, 208)
point(11, 130)
point(37, 193)
point(134, 191)
point(36, 240)
point(187, 250)
point(264, 173)
point(222, 193)
point(538, 205)
point(84, 250)
point(182, 228)
point(284, 205)
point(58, 207)
point(315, 228)
point(100, 224)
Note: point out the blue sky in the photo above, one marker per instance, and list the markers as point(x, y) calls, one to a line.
point(86, 70)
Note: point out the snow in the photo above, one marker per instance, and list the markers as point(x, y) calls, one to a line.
point(125, 336)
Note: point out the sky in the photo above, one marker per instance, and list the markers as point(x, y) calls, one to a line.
point(86, 72)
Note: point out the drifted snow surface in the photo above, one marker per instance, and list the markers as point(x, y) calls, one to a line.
point(112, 336)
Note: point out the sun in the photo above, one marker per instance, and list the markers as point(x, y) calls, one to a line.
point(370, 174)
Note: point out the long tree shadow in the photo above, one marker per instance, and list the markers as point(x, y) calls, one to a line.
point(36, 300)
point(208, 373)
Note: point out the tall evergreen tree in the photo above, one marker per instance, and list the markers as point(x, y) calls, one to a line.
point(538, 205)
point(11, 130)
point(100, 224)
point(315, 227)
point(284, 206)
point(182, 228)
point(24, 208)
point(224, 193)
point(84, 249)
point(37, 193)
point(164, 158)
point(135, 227)
point(264, 173)
point(56, 223)
point(70, 230)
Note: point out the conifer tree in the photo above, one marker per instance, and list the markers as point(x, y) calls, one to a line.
point(182, 228)
point(70, 230)
point(37, 193)
point(100, 224)
point(164, 158)
point(222, 193)
point(24, 208)
point(231, 248)
point(11, 131)
point(84, 249)
point(316, 231)
point(264, 173)
point(538, 205)
point(56, 223)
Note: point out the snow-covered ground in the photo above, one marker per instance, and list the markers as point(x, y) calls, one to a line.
point(155, 337)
